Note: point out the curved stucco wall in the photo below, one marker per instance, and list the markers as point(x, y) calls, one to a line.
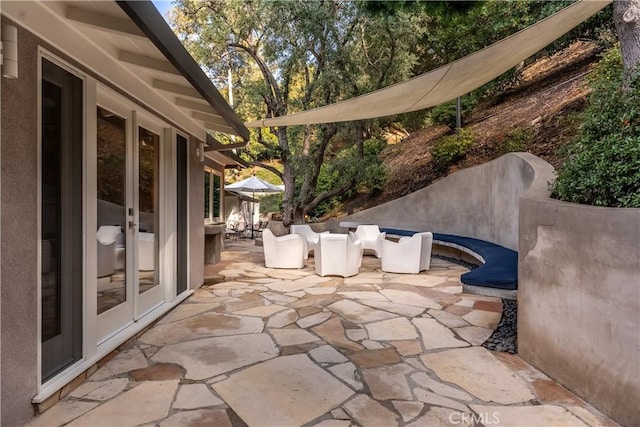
point(480, 202)
point(579, 300)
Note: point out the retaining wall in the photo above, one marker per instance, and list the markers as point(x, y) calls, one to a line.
point(480, 202)
point(579, 300)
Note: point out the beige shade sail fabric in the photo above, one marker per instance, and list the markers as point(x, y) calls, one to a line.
point(449, 81)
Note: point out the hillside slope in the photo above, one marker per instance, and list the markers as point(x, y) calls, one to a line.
point(537, 113)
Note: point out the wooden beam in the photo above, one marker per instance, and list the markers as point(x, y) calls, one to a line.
point(220, 128)
point(198, 106)
point(223, 147)
point(212, 118)
point(103, 22)
point(147, 62)
point(176, 88)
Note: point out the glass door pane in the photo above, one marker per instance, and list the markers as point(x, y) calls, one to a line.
point(182, 191)
point(207, 195)
point(61, 225)
point(112, 216)
point(216, 198)
point(148, 201)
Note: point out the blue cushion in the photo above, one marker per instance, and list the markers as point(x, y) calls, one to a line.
point(500, 269)
point(398, 232)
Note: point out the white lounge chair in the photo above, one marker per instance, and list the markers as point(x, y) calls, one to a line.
point(307, 232)
point(338, 255)
point(146, 251)
point(371, 238)
point(288, 251)
point(107, 236)
point(408, 255)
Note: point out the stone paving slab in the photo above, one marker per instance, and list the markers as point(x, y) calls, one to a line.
point(208, 357)
point(184, 311)
point(435, 336)
point(468, 368)
point(199, 418)
point(359, 313)
point(393, 329)
point(285, 391)
point(264, 347)
point(126, 361)
point(194, 396)
point(526, 416)
point(103, 390)
point(62, 413)
point(347, 373)
point(369, 412)
point(333, 332)
point(144, 403)
point(287, 337)
point(203, 326)
point(389, 382)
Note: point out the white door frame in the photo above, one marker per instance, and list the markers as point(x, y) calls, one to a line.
point(96, 342)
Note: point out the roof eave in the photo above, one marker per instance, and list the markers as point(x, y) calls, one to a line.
point(150, 21)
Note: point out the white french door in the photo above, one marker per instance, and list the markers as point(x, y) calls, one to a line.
point(148, 154)
point(131, 275)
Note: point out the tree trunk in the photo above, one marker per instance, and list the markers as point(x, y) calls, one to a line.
point(626, 16)
point(359, 136)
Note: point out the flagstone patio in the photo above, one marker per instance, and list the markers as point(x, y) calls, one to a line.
point(266, 347)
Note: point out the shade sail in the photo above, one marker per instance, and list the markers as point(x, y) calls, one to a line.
point(449, 81)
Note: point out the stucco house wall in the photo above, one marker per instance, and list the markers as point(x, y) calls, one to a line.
point(196, 218)
point(19, 231)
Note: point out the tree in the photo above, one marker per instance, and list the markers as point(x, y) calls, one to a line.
point(293, 56)
point(603, 168)
point(626, 15)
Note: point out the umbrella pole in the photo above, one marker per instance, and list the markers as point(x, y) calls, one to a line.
point(253, 207)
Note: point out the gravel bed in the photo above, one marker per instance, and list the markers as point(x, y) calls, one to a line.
point(505, 337)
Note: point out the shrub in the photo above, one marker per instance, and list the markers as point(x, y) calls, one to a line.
point(514, 141)
point(271, 203)
point(603, 168)
point(445, 114)
point(451, 148)
point(368, 173)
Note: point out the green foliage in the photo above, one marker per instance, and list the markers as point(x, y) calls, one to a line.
point(414, 120)
point(267, 175)
point(451, 148)
point(603, 168)
point(369, 173)
point(445, 114)
point(515, 140)
point(289, 56)
point(271, 203)
point(458, 28)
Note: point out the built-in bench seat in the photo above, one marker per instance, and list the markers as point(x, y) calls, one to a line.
point(497, 275)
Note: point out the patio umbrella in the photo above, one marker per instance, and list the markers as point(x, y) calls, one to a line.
point(253, 185)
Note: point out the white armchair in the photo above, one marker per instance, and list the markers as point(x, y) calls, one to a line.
point(371, 238)
point(307, 232)
point(146, 251)
point(107, 236)
point(409, 255)
point(338, 255)
point(288, 251)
